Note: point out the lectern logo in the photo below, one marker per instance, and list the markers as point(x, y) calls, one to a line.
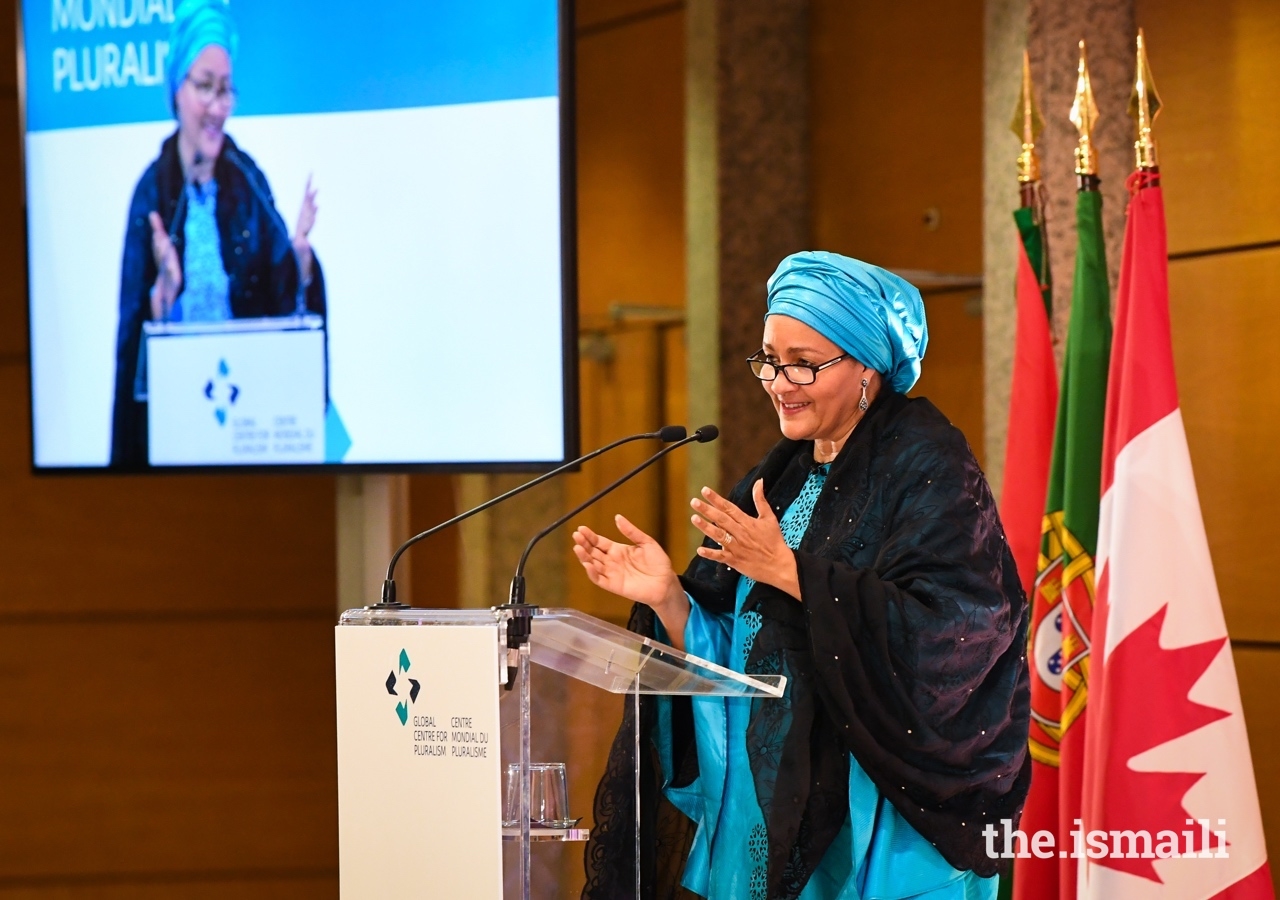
point(219, 391)
point(402, 707)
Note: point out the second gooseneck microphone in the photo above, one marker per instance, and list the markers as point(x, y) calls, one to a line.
point(520, 623)
point(667, 434)
point(703, 435)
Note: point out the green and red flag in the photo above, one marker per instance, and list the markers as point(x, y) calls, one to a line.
point(1033, 404)
point(1062, 606)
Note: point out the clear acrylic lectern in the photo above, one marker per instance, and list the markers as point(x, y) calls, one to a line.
point(370, 741)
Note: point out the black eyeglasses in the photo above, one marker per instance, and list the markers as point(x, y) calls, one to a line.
point(796, 373)
point(210, 92)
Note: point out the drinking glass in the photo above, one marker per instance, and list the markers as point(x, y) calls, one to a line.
point(548, 796)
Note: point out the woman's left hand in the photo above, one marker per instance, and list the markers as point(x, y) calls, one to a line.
point(306, 221)
point(752, 545)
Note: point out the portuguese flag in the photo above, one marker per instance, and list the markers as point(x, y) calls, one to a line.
point(1062, 607)
point(1033, 405)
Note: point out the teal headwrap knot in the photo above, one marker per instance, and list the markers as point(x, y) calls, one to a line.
point(197, 24)
point(873, 315)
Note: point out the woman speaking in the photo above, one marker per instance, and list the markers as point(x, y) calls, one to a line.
point(204, 242)
point(863, 559)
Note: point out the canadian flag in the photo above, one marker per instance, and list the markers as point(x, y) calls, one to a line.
point(1167, 754)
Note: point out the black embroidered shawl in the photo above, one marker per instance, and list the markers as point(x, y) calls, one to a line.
point(908, 651)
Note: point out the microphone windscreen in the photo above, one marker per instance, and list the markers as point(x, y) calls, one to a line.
point(706, 434)
point(669, 434)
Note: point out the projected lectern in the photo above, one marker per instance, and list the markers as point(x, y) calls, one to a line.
point(419, 754)
point(234, 392)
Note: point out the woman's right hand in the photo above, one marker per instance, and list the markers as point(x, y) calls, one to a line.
point(640, 571)
point(168, 270)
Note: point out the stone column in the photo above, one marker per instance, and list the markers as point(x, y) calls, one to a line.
point(1005, 37)
point(1054, 31)
point(747, 206)
point(1051, 30)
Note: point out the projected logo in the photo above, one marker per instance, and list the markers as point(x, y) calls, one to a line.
point(219, 391)
point(395, 685)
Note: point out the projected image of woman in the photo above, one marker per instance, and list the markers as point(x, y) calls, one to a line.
point(204, 240)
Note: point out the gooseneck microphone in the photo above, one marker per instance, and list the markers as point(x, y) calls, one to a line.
point(520, 624)
point(263, 193)
point(703, 435)
point(260, 191)
point(667, 434)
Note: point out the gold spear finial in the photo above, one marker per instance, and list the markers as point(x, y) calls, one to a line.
point(1144, 106)
point(1027, 125)
point(1084, 115)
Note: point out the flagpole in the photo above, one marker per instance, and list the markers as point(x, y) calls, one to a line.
point(1144, 106)
point(1084, 115)
point(1027, 125)
point(1033, 407)
point(1072, 514)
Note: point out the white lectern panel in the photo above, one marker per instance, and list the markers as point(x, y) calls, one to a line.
point(243, 392)
point(419, 803)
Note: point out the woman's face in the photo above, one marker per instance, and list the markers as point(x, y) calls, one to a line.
point(826, 410)
point(204, 102)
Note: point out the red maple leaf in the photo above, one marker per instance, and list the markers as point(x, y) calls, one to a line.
point(1146, 705)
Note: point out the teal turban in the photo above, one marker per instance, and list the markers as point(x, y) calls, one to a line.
point(873, 315)
point(197, 24)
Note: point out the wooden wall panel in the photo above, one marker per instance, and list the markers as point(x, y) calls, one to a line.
point(630, 112)
point(145, 747)
point(630, 108)
point(952, 375)
point(596, 14)
point(1224, 326)
point(266, 887)
point(618, 397)
point(8, 46)
point(896, 114)
point(13, 263)
point(1259, 671)
point(433, 579)
point(1217, 70)
point(897, 128)
point(196, 544)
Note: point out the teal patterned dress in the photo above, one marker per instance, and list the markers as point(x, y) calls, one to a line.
point(877, 855)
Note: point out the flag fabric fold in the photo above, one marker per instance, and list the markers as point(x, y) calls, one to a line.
point(1033, 402)
point(1167, 755)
